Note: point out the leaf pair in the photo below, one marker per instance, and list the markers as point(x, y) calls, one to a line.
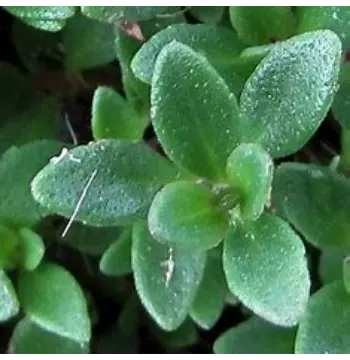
point(197, 118)
point(53, 302)
point(24, 249)
point(196, 216)
point(168, 277)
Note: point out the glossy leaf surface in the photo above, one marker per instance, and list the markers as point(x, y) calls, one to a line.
point(194, 114)
point(185, 214)
point(289, 93)
point(116, 180)
point(249, 169)
point(311, 197)
point(265, 267)
point(255, 336)
point(325, 326)
point(61, 307)
point(166, 278)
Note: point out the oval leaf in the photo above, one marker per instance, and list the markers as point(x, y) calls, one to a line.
point(41, 121)
point(290, 92)
point(42, 12)
point(325, 327)
point(114, 117)
point(116, 260)
point(18, 166)
point(10, 251)
point(166, 278)
point(208, 14)
point(255, 336)
point(112, 14)
point(335, 18)
point(9, 305)
point(114, 182)
point(331, 265)
point(194, 114)
point(29, 338)
point(185, 214)
point(210, 298)
point(220, 46)
point(32, 248)
point(87, 43)
point(249, 169)
point(265, 267)
point(311, 197)
point(61, 307)
point(341, 103)
point(48, 18)
point(262, 24)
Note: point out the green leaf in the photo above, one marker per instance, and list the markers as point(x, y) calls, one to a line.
point(311, 197)
point(113, 14)
point(290, 92)
point(42, 12)
point(28, 338)
point(116, 179)
point(9, 305)
point(255, 336)
point(194, 114)
point(166, 278)
point(40, 119)
point(136, 91)
point(341, 103)
point(61, 307)
point(185, 214)
point(335, 18)
point(49, 18)
point(220, 46)
point(325, 327)
point(10, 252)
point(87, 43)
point(265, 266)
point(115, 117)
point(249, 59)
point(37, 50)
point(249, 169)
point(210, 298)
point(262, 24)
point(18, 166)
point(32, 248)
point(184, 336)
point(116, 260)
point(87, 239)
point(208, 14)
point(331, 265)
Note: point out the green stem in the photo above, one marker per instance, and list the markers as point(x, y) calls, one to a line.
point(226, 197)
